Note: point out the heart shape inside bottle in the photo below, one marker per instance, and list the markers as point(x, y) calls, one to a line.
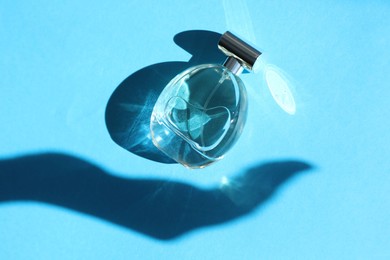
point(203, 128)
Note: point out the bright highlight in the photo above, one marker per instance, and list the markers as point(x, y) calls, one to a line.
point(279, 88)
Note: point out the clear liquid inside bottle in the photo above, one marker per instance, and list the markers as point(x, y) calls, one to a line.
point(199, 115)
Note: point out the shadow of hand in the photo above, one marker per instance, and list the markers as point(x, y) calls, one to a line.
point(157, 208)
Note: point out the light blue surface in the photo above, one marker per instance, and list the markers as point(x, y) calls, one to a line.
point(61, 61)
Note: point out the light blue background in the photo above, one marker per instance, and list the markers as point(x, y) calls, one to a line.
point(60, 61)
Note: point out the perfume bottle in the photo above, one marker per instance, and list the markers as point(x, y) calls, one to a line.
point(201, 113)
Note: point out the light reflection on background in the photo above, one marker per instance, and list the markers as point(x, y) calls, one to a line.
point(240, 191)
point(234, 190)
point(280, 88)
point(279, 84)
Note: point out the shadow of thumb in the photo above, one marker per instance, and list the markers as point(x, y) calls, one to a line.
point(259, 183)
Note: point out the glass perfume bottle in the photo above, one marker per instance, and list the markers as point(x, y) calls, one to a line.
point(201, 113)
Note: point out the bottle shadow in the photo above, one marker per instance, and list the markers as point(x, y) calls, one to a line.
point(129, 108)
point(159, 209)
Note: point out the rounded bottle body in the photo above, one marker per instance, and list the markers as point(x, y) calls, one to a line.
point(199, 115)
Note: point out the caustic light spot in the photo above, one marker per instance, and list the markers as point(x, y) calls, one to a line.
point(279, 88)
point(224, 181)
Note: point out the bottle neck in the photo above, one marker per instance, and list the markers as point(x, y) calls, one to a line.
point(233, 65)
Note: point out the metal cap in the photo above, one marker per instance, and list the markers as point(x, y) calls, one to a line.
point(233, 46)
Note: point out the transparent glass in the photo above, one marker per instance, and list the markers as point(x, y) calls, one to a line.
point(199, 115)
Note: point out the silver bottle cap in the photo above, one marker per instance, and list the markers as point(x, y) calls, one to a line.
point(233, 46)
